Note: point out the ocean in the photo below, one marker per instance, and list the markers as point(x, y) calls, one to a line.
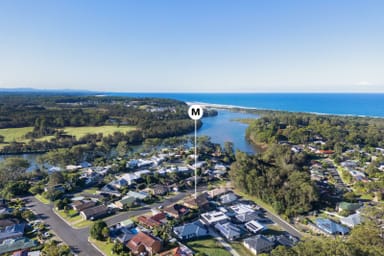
point(356, 104)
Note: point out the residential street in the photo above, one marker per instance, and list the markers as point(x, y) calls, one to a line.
point(77, 239)
point(282, 223)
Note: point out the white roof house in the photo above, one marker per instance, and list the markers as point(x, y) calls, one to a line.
point(241, 208)
point(214, 217)
point(254, 226)
point(352, 220)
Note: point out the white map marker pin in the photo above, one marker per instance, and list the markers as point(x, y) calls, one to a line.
point(195, 112)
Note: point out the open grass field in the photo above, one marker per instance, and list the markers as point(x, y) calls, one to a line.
point(208, 246)
point(106, 130)
point(17, 134)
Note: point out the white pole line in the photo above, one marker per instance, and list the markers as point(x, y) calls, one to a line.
point(195, 112)
point(195, 159)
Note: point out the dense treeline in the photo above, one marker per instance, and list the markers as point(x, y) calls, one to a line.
point(277, 178)
point(61, 111)
point(338, 131)
point(154, 118)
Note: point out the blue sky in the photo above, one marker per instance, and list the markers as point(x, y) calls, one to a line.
point(199, 45)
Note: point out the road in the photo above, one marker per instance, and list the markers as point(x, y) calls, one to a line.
point(77, 239)
point(282, 223)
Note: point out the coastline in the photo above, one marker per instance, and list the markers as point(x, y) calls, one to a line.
point(236, 107)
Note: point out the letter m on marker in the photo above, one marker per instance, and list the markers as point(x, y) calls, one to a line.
point(195, 112)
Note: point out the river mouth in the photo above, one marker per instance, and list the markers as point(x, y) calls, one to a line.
point(225, 127)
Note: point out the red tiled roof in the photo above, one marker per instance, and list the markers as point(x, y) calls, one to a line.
point(149, 222)
point(158, 217)
point(144, 239)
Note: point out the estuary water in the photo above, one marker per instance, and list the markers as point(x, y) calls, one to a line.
point(226, 127)
point(220, 128)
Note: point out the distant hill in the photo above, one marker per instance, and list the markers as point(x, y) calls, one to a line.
point(45, 91)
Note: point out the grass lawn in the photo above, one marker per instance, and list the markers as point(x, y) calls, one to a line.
point(42, 199)
point(17, 134)
point(14, 134)
point(105, 247)
point(76, 221)
point(208, 246)
point(90, 191)
point(82, 224)
point(239, 247)
point(106, 130)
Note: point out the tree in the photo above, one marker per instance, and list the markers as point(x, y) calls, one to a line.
point(12, 169)
point(105, 232)
point(52, 248)
point(122, 148)
point(96, 230)
point(56, 178)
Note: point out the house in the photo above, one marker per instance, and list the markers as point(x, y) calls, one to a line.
point(126, 234)
point(254, 226)
point(178, 251)
point(138, 195)
point(153, 221)
point(229, 230)
point(110, 190)
point(58, 187)
point(228, 198)
point(200, 202)
point(176, 210)
point(330, 227)
point(94, 213)
point(12, 232)
point(12, 245)
point(217, 192)
point(119, 183)
point(143, 242)
point(159, 190)
point(130, 178)
point(286, 240)
point(128, 223)
point(160, 217)
point(248, 216)
point(126, 201)
point(8, 222)
point(82, 205)
point(190, 230)
point(214, 217)
point(241, 208)
point(148, 222)
point(351, 220)
point(258, 244)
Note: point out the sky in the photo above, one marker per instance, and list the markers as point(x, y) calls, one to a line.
point(193, 46)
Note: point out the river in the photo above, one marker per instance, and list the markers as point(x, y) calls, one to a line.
point(220, 128)
point(224, 127)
